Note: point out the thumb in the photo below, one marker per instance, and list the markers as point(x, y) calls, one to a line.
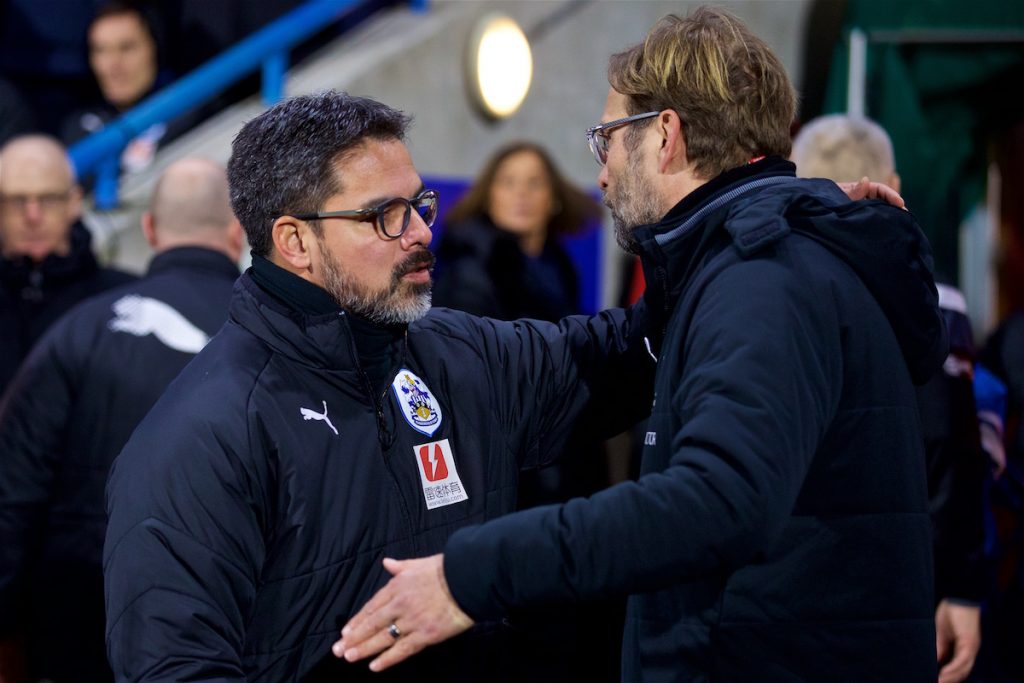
point(393, 566)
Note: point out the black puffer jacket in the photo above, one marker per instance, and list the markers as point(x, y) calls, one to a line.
point(482, 270)
point(779, 530)
point(33, 296)
point(253, 506)
point(67, 414)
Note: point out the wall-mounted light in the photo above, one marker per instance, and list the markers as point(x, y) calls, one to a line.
point(499, 66)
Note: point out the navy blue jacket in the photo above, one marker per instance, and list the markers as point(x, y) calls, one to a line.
point(779, 529)
point(250, 511)
point(67, 414)
point(33, 296)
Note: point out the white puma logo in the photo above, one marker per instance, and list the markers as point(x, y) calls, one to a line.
point(142, 316)
point(308, 414)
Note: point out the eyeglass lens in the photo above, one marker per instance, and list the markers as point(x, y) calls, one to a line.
point(394, 218)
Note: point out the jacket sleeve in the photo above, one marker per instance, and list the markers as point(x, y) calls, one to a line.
point(756, 389)
point(34, 413)
point(184, 546)
point(582, 376)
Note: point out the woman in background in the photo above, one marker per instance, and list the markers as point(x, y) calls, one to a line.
point(500, 256)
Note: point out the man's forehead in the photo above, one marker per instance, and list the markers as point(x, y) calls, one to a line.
point(35, 166)
point(374, 160)
point(116, 27)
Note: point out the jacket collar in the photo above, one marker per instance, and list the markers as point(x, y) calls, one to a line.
point(672, 247)
point(193, 259)
point(53, 270)
point(320, 340)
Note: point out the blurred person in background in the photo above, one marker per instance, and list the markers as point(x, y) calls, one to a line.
point(73, 405)
point(124, 40)
point(47, 264)
point(501, 257)
point(1003, 358)
point(845, 149)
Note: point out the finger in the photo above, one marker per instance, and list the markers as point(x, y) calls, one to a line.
point(960, 666)
point(406, 647)
point(941, 647)
point(375, 644)
point(372, 616)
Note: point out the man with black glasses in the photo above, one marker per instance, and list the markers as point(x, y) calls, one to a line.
point(47, 265)
point(779, 529)
point(336, 420)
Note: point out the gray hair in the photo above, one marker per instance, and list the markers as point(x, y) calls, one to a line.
point(283, 161)
point(843, 148)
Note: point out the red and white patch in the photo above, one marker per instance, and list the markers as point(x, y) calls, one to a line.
point(438, 474)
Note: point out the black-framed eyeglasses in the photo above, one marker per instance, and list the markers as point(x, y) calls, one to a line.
point(599, 136)
point(391, 217)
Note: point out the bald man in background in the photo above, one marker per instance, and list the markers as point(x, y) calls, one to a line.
point(46, 260)
point(73, 404)
point(847, 148)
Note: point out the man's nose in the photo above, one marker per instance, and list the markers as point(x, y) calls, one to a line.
point(602, 177)
point(417, 233)
point(33, 209)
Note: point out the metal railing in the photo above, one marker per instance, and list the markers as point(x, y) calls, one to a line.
point(266, 50)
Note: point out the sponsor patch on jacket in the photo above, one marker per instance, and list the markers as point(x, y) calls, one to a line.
point(417, 403)
point(440, 478)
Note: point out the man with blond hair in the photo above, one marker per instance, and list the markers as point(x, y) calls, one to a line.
point(73, 405)
point(779, 528)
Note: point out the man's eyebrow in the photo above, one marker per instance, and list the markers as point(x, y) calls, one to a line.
point(377, 201)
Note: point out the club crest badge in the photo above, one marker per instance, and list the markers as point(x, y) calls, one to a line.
point(417, 403)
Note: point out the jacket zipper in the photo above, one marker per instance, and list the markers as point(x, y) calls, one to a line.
point(384, 439)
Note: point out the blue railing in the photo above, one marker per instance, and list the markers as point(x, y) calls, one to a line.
point(267, 50)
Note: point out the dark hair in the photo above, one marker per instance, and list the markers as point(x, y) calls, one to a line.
point(144, 11)
point(576, 205)
point(283, 161)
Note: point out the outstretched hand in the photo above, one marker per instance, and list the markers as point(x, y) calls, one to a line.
point(866, 189)
point(414, 610)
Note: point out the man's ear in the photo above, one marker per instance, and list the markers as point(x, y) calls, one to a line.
point(149, 228)
point(74, 203)
point(235, 238)
point(293, 240)
point(672, 155)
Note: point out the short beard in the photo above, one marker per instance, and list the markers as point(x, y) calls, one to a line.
point(399, 303)
point(634, 204)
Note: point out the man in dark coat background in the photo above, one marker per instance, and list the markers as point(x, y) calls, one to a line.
point(779, 529)
point(845, 148)
point(47, 265)
point(73, 405)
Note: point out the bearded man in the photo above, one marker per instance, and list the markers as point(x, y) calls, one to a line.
point(334, 421)
point(779, 529)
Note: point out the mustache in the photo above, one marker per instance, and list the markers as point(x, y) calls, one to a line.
point(415, 261)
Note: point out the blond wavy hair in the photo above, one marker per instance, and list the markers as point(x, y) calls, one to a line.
point(727, 86)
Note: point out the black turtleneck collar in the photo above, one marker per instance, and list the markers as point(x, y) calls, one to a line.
point(772, 164)
point(292, 290)
point(378, 347)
